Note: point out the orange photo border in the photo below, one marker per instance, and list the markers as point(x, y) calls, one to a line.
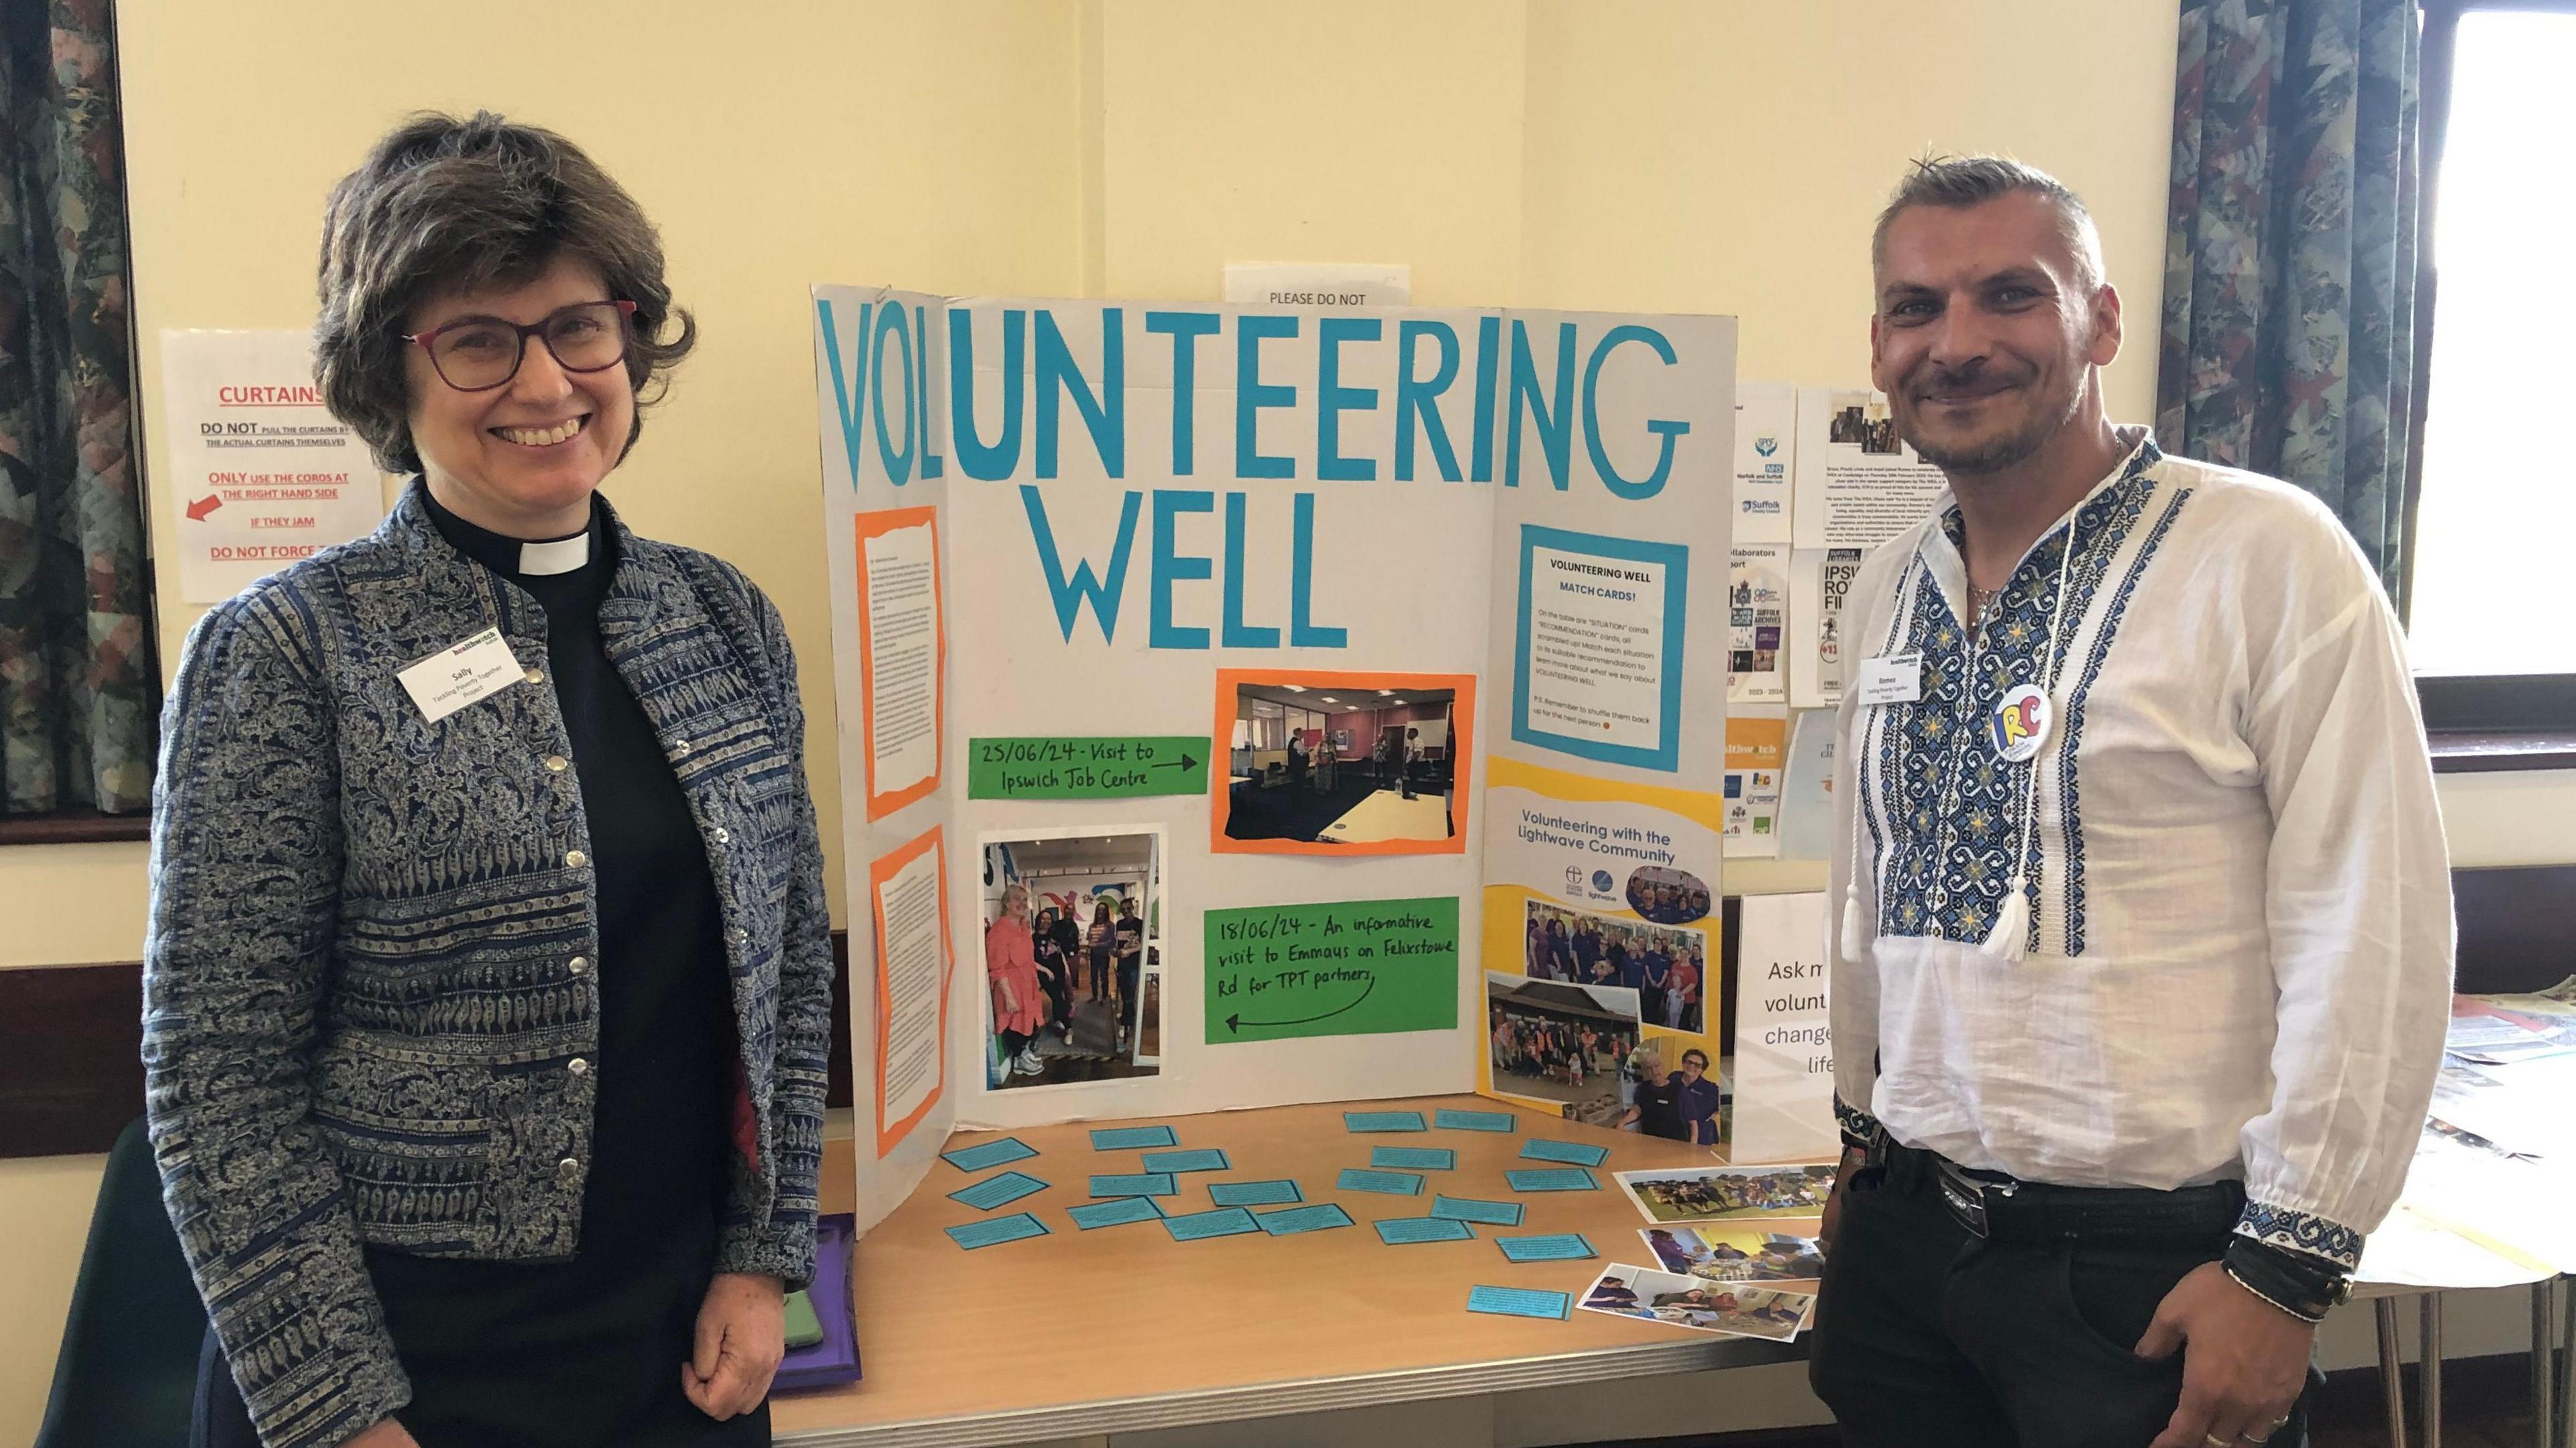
point(875, 525)
point(1462, 724)
point(880, 870)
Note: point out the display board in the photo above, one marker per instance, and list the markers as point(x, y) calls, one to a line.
point(1323, 648)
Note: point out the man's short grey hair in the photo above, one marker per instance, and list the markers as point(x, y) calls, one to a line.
point(1959, 182)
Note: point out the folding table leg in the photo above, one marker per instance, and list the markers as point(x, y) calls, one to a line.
point(2392, 1365)
point(2430, 1346)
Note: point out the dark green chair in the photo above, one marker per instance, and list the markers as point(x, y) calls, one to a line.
point(127, 1374)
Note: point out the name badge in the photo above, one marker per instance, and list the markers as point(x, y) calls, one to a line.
point(461, 673)
point(1891, 679)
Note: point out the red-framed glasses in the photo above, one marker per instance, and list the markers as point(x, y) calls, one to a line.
point(477, 354)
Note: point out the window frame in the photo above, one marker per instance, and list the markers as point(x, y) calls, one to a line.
point(2481, 721)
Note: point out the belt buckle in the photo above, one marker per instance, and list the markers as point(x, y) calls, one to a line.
point(1963, 1195)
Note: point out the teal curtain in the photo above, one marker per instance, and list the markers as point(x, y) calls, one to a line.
point(78, 683)
point(2289, 318)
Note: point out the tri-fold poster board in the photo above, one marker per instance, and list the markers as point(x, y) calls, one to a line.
point(1243, 706)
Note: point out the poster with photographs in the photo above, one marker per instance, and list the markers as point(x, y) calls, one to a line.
point(1757, 616)
point(1690, 1195)
point(1068, 924)
point(1336, 764)
point(1737, 1254)
point(1702, 1306)
point(1858, 484)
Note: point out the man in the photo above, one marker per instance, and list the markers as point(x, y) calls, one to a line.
point(1131, 965)
point(1695, 1099)
point(2145, 953)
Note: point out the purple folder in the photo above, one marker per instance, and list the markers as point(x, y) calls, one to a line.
point(835, 1359)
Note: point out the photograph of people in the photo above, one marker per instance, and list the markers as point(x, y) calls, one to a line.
point(1694, 1194)
point(488, 1098)
point(1078, 898)
point(1721, 1255)
point(1560, 1042)
point(1345, 764)
point(1665, 965)
point(1667, 896)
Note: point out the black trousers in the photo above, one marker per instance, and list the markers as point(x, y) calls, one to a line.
point(1927, 1335)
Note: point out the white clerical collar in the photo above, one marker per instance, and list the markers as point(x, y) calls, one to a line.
point(561, 556)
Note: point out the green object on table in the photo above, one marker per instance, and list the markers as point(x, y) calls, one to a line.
point(1086, 766)
point(804, 1329)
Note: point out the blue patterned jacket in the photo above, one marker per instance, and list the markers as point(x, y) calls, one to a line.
point(371, 941)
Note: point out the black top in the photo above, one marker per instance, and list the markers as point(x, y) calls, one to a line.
point(587, 1350)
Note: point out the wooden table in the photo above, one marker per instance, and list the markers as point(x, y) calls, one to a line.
point(1122, 1329)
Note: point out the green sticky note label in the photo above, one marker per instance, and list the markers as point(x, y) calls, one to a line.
point(1086, 766)
point(1351, 968)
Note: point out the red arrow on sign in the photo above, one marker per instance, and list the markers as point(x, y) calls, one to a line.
point(198, 510)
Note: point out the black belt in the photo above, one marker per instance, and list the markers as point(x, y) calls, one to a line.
point(1998, 1207)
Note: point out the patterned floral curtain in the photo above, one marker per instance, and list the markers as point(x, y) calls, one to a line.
point(78, 683)
point(2289, 325)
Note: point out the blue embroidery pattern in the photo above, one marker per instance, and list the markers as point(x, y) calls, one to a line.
point(1944, 781)
point(2301, 1232)
point(2073, 811)
point(1858, 1126)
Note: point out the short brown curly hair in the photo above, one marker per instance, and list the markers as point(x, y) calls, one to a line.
point(443, 205)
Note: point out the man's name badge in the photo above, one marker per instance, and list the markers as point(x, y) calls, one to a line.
point(461, 673)
point(1891, 679)
point(2020, 723)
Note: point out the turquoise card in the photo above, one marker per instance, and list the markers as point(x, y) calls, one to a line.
point(1288, 1221)
point(1469, 1209)
point(1383, 1121)
point(1128, 1138)
point(992, 1192)
point(1401, 1231)
point(1414, 1158)
point(1541, 1149)
point(1520, 1302)
point(1448, 1120)
point(1550, 1247)
point(993, 1231)
point(1223, 1222)
point(1254, 1194)
point(1553, 1179)
point(1137, 1184)
point(1205, 1158)
point(990, 1154)
point(1115, 1212)
point(1392, 1183)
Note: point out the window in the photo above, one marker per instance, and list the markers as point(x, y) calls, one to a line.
point(2491, 630)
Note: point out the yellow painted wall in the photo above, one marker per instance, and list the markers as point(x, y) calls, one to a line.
point(1629, 154)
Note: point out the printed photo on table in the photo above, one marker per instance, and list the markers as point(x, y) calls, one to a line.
point(1679, 1301)
point(1665, 966)
point(1560, 1043)
point(1717, 1193)
point(1667, 896)
point(1737, 1254)
point(1069, 920)
point(1340, 764)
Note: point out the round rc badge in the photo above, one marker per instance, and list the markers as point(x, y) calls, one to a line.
point(2021, 722)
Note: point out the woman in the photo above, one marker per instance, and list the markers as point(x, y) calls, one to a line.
point(1011, 968)
point(486, 1027)
point(1102, 942)
point(1068, 940)
point(1053, 974)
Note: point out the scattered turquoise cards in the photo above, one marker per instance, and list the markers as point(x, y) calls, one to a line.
point(1539, 1148)
point(1117, 1211)
point(1553, 1179)
point(1551, 1247)
point(1449, 1120)
point(1254, 1194)
point(1127, 1138)
point(992, 1192)
point(1391, 1183)
point(1205, 1158)
point(1383, 1121)
point(1520, 1302)
point(1136, 1184)
point(993, 1231)
point(1223, 1222)
point(1287, 1221)
point(1414, 1158)
point(1468, 1209)
point(989, 1154)
point(1403, 1231)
